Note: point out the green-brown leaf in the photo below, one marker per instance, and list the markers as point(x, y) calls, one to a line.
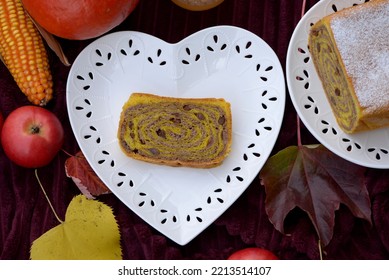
point(316, 181)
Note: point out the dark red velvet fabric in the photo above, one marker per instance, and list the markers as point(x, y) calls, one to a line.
point(25, 213)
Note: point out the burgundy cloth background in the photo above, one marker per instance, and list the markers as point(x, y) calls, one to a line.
point(25, 213)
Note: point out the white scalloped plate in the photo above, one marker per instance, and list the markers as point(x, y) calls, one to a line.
point(370, 149)
point(222, 61)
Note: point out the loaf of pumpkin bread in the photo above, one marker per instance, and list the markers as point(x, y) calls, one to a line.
point(350, 51)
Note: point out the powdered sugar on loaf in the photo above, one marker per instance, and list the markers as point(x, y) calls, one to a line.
point(363, 43)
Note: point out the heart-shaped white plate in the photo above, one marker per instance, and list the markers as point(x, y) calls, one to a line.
point(223, 61)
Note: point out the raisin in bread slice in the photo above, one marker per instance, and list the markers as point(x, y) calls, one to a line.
point(192, 132)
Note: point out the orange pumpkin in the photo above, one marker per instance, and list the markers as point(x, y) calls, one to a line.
point(79, 20)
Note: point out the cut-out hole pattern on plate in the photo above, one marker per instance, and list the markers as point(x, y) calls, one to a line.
point(168, 217)
point(85, 107)
point(378, 153)
point(251, 152)
point(190, 57)
point(86, 80)
point(244, 50)
point(104, 58)
point(305, 54)
point(310, 104)
point(104, 74)
point(264, 127)
point(130, 50)
point(145, 200)
point(106, 159)
point(92, 134)
point(195, 216)
point(216, 197)
point(304, 78)
point(263, 71)
point(234, 176)
point(217, 45)
point(124, 180)
point(157, 59)
point(351, 145)
point(328, 128)
point(266, 99)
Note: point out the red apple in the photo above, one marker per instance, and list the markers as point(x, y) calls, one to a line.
point(32, 136)
point(253, 254)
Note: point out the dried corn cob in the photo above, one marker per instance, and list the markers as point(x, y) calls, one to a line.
point(23, 52)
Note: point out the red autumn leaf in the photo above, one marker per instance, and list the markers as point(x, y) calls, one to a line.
point(82, 174)
point(316, 181)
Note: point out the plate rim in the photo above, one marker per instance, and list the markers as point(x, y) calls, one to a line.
point(282, 91)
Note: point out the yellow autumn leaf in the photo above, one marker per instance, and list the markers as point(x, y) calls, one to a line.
point(89, 232)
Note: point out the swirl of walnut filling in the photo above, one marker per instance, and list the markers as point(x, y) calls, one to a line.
point(334, 80)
